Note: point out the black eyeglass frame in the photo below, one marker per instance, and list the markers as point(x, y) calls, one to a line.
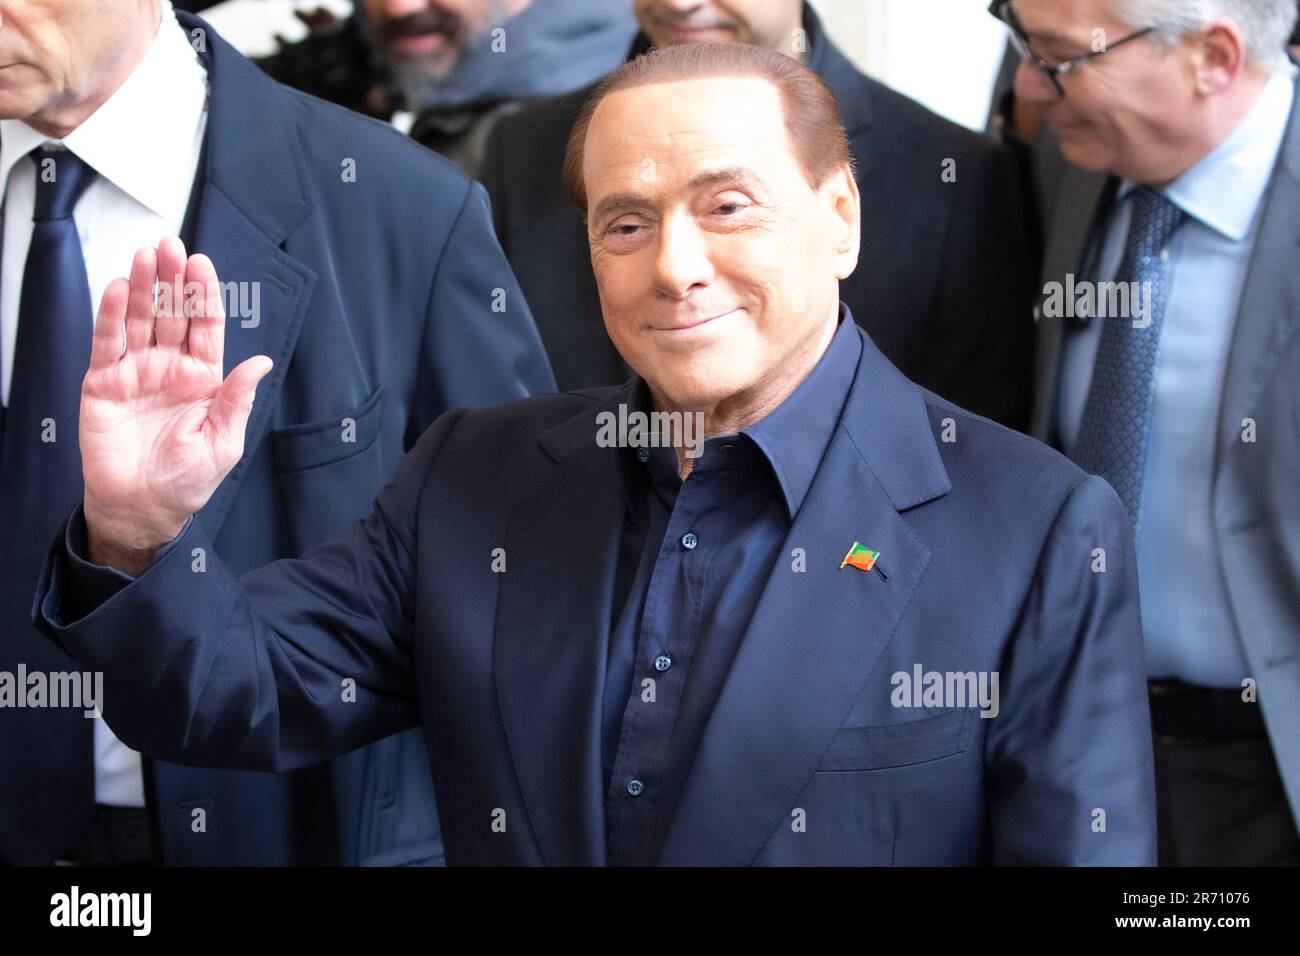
point(1003, 11)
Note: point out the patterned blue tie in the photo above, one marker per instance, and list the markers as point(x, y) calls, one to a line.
point(47, 787)
point(1116, 422)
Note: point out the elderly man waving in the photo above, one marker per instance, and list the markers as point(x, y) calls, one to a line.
point(855, 624)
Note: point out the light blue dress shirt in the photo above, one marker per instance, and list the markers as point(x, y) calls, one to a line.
point(1186, 618)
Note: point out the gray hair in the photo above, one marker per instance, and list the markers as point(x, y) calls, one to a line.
point(1266, 25)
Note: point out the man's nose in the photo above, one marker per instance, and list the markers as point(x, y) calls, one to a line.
point(680, 6)
point(682, 262)
point(1032, 85)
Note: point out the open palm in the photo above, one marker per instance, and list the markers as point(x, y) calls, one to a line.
point(159, 427)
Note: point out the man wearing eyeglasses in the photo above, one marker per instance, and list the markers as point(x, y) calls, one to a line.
point(1167, 363)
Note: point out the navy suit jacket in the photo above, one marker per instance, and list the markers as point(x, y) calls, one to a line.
point(944, 284)
point(988, 548)
point(376, 303)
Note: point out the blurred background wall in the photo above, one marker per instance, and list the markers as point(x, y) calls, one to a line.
point(943, 53)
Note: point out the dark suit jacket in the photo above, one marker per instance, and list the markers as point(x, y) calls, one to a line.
point(985, 542)
point(945, 279)
point(376, 305)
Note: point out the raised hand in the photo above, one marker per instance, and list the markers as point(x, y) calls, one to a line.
point(159, 428)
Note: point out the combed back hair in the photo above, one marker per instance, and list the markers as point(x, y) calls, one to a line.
point(812, 117)
point(1266, 24)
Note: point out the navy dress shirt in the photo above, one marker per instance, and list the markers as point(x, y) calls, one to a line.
point(694, 559)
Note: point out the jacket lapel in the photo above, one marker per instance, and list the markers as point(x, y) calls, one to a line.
point(552, 638)
point(815, 635)
point(252, 199)
point(1270, 302)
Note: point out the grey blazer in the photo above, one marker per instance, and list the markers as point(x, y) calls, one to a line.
point(1256, 483)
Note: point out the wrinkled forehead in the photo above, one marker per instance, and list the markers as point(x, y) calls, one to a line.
point(665, 134)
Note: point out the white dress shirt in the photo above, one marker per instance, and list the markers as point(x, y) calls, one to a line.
point(1187, 622)
point(144, 142)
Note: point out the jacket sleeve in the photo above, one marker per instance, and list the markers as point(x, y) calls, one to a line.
point(291, 664)
point(481, 345)
point(1069, 761)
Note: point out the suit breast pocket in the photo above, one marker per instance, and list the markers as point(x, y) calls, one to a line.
point(329, 470)
point(900, 745)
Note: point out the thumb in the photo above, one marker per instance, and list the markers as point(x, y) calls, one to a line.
point(233, 402)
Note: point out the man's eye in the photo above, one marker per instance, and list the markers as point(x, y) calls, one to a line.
point(730, 210)
point(1055, 57)
point(624, 229)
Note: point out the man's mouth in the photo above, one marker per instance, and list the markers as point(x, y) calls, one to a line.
point(687, 325)
point(697, 32)
point(1061, 121)
point(420, 42)
point(423, 33)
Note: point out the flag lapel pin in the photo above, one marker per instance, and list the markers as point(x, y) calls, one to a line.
point(864, 559)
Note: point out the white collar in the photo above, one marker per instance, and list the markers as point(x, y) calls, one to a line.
point(133, 138)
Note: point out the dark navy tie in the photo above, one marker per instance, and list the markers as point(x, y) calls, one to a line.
point(1116, 424)
point(47, 787)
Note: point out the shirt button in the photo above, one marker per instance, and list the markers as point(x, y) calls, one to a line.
point(643, 455)
point(663, 662)
point(689, 541)
point(635, 788)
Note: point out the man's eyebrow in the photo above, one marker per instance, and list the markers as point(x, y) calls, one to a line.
point(1047, 36)
point(1052, 38)
point(1057, 39)
point(616, 204)
point(728, 176)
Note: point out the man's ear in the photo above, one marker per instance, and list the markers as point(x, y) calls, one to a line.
point(1220, 57)
point(840, 192)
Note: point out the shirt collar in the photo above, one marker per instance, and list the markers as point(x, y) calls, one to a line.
point(793, 437)
point(17, 139)
point(170, 82)
point(1225, 188)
